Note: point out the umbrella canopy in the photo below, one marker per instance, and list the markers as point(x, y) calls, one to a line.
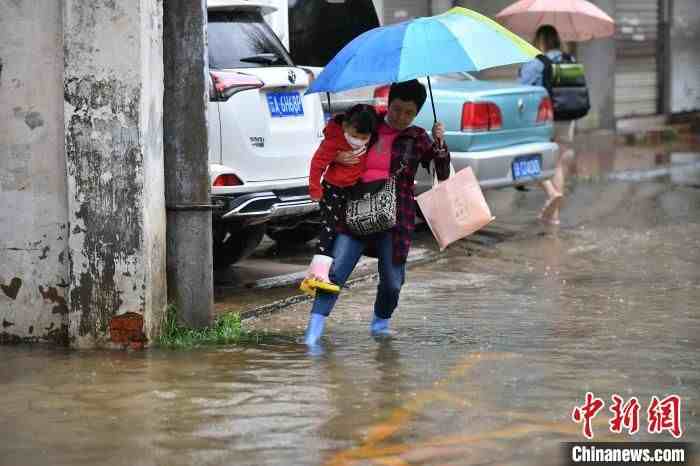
point(458, 40)
point(575, 20)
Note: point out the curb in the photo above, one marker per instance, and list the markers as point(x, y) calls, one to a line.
point(362, 274)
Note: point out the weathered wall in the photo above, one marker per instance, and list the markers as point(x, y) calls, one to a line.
point(113, 85)
point(151, 128)
point(33, 210)
point(685, 56)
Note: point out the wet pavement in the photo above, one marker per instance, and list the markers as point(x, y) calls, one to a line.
point(268, 278)
point(496, 343)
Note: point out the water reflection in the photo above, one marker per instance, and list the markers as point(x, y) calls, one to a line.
point(492, 353)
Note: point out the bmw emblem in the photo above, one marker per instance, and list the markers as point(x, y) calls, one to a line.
point(292, 76)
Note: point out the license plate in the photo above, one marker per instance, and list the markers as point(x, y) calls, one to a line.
point(528, 166)
point(284, 104)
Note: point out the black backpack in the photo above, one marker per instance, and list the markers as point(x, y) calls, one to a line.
point(566, 84)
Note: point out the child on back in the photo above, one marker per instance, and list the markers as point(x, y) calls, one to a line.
point(351, 132)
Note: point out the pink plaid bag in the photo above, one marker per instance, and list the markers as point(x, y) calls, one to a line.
point(455, 208)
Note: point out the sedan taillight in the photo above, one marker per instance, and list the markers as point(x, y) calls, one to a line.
point(481, 116)
point(224, 84)
point(545, 112)
point(381, 99)
point(227, 180)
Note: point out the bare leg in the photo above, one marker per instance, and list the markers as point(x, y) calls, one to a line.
point(558, 178)
point(550, 189)
point(554, 188)
point(550, 211)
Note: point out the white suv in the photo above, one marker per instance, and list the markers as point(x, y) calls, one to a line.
point(263, 132)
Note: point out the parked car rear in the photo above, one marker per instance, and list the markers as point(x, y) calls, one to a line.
point(263, 132)
point(503, 130)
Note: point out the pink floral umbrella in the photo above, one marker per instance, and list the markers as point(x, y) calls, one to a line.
point(575, 20)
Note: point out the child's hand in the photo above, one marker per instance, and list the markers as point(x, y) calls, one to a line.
point(347, 158)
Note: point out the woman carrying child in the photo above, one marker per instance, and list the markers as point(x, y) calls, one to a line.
point(399, 148)
point(350, 132)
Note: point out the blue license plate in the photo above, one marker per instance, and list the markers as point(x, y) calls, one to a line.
point(528, 166)
point(284, 104)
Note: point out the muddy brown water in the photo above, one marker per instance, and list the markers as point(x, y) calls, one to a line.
point(494, 348)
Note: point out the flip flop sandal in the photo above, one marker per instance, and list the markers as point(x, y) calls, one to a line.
point(550, 221)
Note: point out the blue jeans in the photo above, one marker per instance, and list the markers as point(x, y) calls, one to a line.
point(347, 250)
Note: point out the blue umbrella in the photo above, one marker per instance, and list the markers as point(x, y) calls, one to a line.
point(458, 40)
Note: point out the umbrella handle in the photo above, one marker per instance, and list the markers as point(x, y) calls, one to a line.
point(432, 102)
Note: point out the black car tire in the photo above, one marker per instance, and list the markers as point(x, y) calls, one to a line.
point(239, 244)
point(299, 235)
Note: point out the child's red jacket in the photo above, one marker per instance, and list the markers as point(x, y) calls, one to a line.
point(323, 162)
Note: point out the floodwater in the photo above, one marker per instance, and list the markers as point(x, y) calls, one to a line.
point(495, 346)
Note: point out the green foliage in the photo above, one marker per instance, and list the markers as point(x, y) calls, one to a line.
point(226, 330)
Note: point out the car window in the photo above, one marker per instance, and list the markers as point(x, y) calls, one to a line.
point(318, 29)
point(242, 39)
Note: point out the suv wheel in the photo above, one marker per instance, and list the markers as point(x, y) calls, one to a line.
point(301, 234)
point(239, 244)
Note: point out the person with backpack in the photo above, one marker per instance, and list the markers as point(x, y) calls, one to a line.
point(557, 72)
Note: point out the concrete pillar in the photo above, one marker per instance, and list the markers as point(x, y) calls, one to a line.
point(190, 268)
point(599, 58)
point(664, 48)
point(33, 203)
point(113, 90)
point(684, 56)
